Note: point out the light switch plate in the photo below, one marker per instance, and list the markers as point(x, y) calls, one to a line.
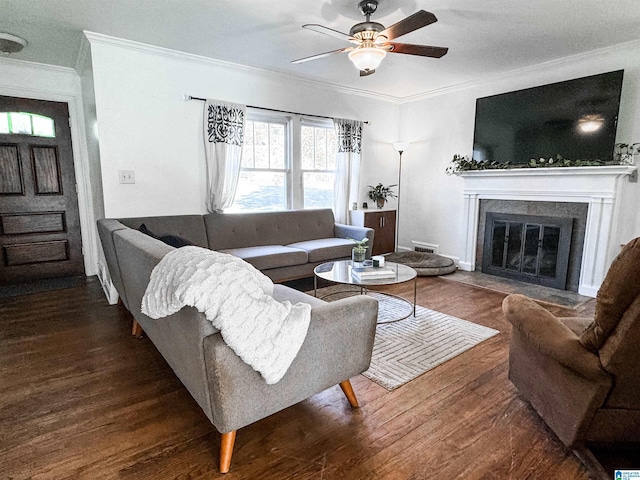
point(127, 176)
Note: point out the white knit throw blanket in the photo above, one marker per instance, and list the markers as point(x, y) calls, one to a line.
point(237, 299)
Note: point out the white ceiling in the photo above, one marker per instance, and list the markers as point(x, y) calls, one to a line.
point(484, 37)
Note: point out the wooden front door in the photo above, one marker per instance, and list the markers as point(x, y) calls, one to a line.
point(39, 220)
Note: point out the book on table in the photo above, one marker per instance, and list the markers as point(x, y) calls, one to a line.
point(372, 273)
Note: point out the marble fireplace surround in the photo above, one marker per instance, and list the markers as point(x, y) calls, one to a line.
point(599, 187)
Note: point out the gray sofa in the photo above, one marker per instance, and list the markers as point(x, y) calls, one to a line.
point(283, 245)
point(232, 395)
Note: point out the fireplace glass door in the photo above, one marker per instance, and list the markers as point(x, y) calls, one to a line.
point(530, 248)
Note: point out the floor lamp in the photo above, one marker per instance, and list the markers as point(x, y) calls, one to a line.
point(399, 147)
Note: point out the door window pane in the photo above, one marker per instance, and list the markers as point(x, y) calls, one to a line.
point(42, 126)
point(22, 123)
point(4, 123)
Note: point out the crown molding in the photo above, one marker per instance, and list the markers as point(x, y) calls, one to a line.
point(92, 37)
point(84, 54)
point(99, 38)
point(38, 66)
point(632, 47)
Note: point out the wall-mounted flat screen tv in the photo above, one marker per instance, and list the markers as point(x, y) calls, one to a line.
point(575, 119)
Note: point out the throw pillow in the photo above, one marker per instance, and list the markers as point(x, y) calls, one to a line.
point(172, 240)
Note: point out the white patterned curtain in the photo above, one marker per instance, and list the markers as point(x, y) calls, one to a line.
point(223, 139)
point(345, 188)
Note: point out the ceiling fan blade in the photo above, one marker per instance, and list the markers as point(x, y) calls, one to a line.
point(421, 50)
point(413, 22)
point(328, 31)
point(364, 73)
point(321, 55)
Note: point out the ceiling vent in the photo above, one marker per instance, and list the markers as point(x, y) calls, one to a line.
point(11, 43)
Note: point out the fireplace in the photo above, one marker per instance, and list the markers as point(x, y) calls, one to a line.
point(599, 189)
point(533, 249)
point(576, 212)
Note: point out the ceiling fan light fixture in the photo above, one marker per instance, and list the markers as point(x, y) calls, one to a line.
point(11, 43)
point(367, 58)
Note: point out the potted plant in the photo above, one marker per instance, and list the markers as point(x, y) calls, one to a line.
point(380, 193)
point(625, 153)
point(359, 251)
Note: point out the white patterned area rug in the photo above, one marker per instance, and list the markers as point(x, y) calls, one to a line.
point(406, 349)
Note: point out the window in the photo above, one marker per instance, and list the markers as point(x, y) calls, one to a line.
point(287, 162)
point(26, 124)
point(264, 173)
point(318, 162)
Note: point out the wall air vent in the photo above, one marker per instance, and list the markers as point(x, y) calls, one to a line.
point(424, 247)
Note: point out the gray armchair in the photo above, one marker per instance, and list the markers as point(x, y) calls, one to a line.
point(581, 374)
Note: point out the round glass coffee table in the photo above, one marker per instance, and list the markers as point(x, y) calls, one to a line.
point(340, 272)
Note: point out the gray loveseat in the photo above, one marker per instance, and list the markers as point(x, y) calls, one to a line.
point(232, 395)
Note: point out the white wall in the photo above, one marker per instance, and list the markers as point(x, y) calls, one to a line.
point(441, 125)
point(45, 82)
point(145, 125)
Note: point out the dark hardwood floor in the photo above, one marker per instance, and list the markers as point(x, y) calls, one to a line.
point(81, 398)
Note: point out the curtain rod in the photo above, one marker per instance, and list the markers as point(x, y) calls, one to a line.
point(189, 97)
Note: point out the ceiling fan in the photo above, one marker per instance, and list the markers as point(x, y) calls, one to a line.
point(371, 40)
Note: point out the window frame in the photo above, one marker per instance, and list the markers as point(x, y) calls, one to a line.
point(285, 121)
point(315, 123)
point(293, 171)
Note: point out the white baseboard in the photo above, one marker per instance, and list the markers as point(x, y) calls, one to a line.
point(107, 286)
point(111, 293)
point(588, 291)
point(466, 266)
point(455, 259)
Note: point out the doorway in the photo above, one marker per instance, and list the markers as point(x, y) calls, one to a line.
point(40, 237)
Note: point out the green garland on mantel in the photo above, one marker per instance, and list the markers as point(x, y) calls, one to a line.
point(624, 155)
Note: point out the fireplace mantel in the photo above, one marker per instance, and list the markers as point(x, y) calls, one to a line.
point(599, 187)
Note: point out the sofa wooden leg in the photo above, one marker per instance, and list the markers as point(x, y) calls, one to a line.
point(136, 329)
point(226, 450)
point(349, 393)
